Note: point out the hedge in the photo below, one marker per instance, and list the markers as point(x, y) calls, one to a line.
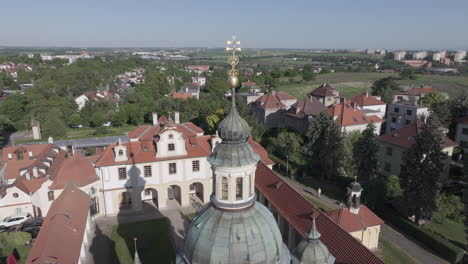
point(441, 246)
point(281, 165)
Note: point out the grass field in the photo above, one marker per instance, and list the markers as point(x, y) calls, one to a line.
point(391, 254)
point(452, 85)
point(451, 230)
point(321, 205)
point(154, 241)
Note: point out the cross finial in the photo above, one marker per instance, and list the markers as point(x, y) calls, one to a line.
point(233, 46)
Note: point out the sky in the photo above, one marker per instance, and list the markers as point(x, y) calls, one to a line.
point(308, 24)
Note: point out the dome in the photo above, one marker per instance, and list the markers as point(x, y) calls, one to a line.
point(311, 250)
point(355, 186)
point(248, 236)
point(233, 155)
point(233, 128)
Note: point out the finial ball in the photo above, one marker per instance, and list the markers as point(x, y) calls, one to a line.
point(233, 81)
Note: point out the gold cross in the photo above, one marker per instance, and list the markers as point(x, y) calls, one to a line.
point(233, 59)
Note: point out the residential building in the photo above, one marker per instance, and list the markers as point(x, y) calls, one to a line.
point(33, 176)
point(351, 118)
point(269, 108)
point(419, 55)
point(459, 56)
point(399, 55)
point(66, 231)
point(182, 96)
point(199, 80)
point(437, 56)
point(326, 94)
point(369, 104)
point(357, 219)
point(402, 113)
point(461, 134)
point(99, 96)
point(418, 63)
point(191, 88)
point(414, 94)
point(198, 69)
point(445, 61)
point(393, 146)
point(302, 113)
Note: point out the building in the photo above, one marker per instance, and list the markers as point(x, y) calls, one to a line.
point(198, 69)
point(199, 80)
point(351, 118)
point(99, 96)
point(269, 108)
point(445, 61)
point(326, 94)
point(302, 113)
point(414, 94)
point(369, 104)
point(399, 55)
point(357, 219)
point(33, 176)
point(419, 55)
point(393, 146)
point(64, 235)
point(191, 88)
point(461, 135)
point(182, 96)
point(459, 56)
point(402, 113)
point(418, 63)
point(437, 56)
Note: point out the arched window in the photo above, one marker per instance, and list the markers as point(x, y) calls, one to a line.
point(239, 188)
point(120, 152)
point(224, 188)
point(171, 147)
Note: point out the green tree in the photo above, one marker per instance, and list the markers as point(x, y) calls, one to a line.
point(119, 118)
point(442, 111)
point(326, 143)
point(349, 165)
point(97, 119)
point(433, 98)
point(53, 125)
point(75, 120)
point(448, 206)
point(308, 76)
point(13, 107)
point(422, 170)
point(392, 187)
point(286, 142)
point(408, 73)
point(385, 88)
point(364, 154)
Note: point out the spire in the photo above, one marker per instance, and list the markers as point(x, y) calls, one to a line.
point(314, 233)
point(136, 259)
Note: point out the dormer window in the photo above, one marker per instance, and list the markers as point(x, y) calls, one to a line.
point(171, 147)
point(19, 155)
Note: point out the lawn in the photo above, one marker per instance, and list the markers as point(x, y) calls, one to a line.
point(392, 254)
point(450, 229)
point(348, 83)
point(452, 85)
point(154, 242)
point(321, 205)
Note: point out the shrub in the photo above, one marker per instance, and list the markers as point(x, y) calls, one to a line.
point(431, 240)
point(13, 241)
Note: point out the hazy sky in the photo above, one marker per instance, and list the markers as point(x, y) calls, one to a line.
point(391, 24)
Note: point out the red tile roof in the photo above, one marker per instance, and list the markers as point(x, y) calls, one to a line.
point(297, 211)
point(355, 222)
point(324, 90)
point(248, 83)
point(310, 106)
point(76, 170)
point(418, 91)
point(365, 100)
point(182, 96)
point(273, 100)
point(61, 236)
point(260, 151)
point(29, 186)
point(347, 115)
point(405, 136)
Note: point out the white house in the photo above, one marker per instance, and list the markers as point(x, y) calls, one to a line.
point(369, 104)
point(199, 80)
point(402, 113)
point(351, 118)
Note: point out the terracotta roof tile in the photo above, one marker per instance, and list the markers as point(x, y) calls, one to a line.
point(297, 211)
point(77, 170)
point(324, 90)
point(182, 96)
point(260, 151)
point(347, 115)
point(355, 222)
point(365, 100)
point(62, 232)
point(273, 100)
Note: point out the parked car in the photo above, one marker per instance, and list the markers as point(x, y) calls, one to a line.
point(32, 226)
point(15, 220)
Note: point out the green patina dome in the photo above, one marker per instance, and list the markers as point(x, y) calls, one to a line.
point(233, 128)
point(244, 237)
point(311, 250)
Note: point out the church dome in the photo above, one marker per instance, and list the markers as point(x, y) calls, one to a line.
point(233, 128)
point(233, 155)
point(355, 186)
point(248, 236)
point(311, 250)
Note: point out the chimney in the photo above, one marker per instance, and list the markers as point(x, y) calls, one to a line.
point(177, 117)
point(155, 119)
point(342, 100)
point(10, 156)
point(30, 154)
point(35, 172)
point(353, 104)
point(50, 140)
point(367, 93)
point(28, 175)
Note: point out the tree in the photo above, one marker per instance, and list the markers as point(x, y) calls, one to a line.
point(385, 88)
point(407, 73)
point(53, 125)
point(364, 154)
point(286, 142)
point(119, 118)
point(97, 119)
point(392, 187)
point(433, 98)
point(325, 141)
point(75, 120)
point(308, 76)
point(350, 139)
point(448, 206)
point(422, 170)
point(442, 111)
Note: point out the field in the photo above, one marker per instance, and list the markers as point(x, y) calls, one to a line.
point(391, 254)
point(352, 83)
point(451, 230)
point(154, 241)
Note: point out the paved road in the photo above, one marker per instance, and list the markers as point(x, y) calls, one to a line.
point(387, 232)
